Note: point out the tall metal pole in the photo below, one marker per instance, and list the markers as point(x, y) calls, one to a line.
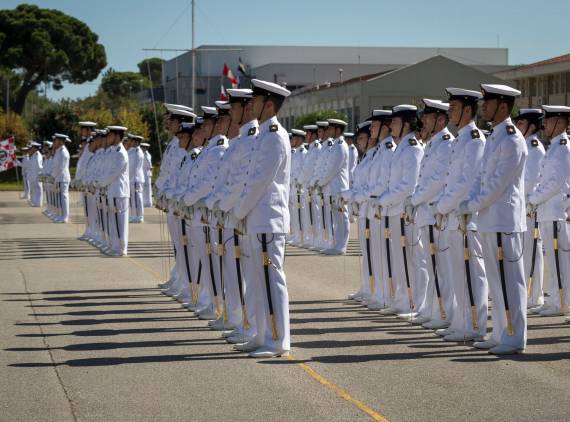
point(7, 95)
point(193, 59)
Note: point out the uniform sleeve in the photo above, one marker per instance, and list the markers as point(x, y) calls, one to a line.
point(434, 184)
point(554, 183)
point(460, 188)
point(117, 165)
point(271, 154)
point(510, 156)
point(338, 160)
point(406, 185)
point(204, 183)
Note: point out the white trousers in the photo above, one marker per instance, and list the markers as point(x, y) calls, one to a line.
point(27, 188)
point(273, 328)
point(462, 315)
point(308, 220)
point(147, 193)
point(382, 289)
point(340, 227)
point(366, 271)
point(36, 192)
point(556, 298)
point(119, 224)
point(226, 274)
point(136, 201)
point(200, 275)
point(514, 287)
point(439, 308)
point(535, 293)
point(402, 266)
point(63, 198)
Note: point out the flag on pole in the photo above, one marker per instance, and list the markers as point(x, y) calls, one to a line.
point(7, 154)
point(230, 76)
point(242, 68)
point(223, 94)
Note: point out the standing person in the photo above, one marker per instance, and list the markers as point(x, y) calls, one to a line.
point(548, 201)
point(404, 170)
point(34, 168)
point(136, 178)
point(115, 181)
point(456, 240)
point(147, 171)
point(352, 155)
point(431, 179)
point(61, 177)
point(334, 180)
point(529, 122)
point(263, 206)
point(382, 289)
point(497, 196)
point(24, 165)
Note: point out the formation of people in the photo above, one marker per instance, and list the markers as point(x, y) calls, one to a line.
point(113, 175)
point(447, 224)
point(450, 223)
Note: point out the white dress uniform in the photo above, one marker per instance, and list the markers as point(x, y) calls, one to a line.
point(357, 197)
point(310, 207)
point(229, 195)
point(431, 180)
point(466, 154)
point(48, 187)
point(79, 178)
point(34, 167)
point(24, 165)
point(536, 154)
point(549, 197)
point(147, 187)
point(497, 198)
point(383, 287)
point(263, 204)
point(404, 170)
point(202, 179)
point(352, 162)
point(324, 237)
point(60, 173)
point(335, 180)
point(116, 180)
point(184, 283)
point(137, 179)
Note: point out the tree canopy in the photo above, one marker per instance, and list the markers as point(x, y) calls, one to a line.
point(46, 45)
point(154, 64)
point(123, 84)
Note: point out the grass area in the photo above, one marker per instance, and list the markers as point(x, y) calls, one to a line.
point(11, 186)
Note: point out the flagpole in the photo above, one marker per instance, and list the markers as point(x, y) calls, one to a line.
point(193, 59)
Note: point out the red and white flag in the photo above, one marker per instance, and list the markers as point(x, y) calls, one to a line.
point(230, 76)
point(223, 94)
point(7, 154)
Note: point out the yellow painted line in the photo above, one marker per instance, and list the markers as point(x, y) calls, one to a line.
point(145, 267)
point(339, 391)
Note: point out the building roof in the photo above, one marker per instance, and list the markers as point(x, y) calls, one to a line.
point(554, 60)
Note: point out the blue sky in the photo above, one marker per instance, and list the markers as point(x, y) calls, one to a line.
point(125, 27)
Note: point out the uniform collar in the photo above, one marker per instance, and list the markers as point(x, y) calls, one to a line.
point(264, 127)
point(439, 135)
point(244, 129)
point(503, 125)
point(406, 138)
point(467, 128)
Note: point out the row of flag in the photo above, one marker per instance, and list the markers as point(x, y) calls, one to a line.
point(231, 78)
point(7, 154)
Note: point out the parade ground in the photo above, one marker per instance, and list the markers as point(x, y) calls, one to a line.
point(85, 337)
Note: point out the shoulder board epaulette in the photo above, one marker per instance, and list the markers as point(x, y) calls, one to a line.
point(446, 137)
point(475, 134)
point(119, 148)
point(329, 143)
point(534, 142)
point(389, 145)
point(273, 128)
point(194, 155)
point(317, 142)
point(340, 141)
point(413, 141)
point(293, 150)
point(220, 141)
point(511, 130)
point(251, 131)
point(563, 141)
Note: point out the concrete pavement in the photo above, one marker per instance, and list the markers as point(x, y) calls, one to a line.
point(85, 337)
